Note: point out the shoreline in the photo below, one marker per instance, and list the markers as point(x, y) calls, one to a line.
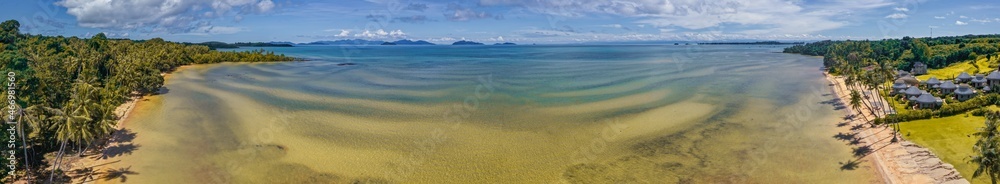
point(91, 167)
point(896, 162)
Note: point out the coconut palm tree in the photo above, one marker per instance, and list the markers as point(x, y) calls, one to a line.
point(74, 123)
point(66, 121)
point(855, 101)
point(987, 149)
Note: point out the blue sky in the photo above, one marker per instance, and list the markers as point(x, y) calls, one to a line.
point(522, 21)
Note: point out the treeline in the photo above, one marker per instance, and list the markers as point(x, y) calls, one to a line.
point(69, 87)
point(752, 43)
point(936, 52)
point(975, 105)
point(217, 45)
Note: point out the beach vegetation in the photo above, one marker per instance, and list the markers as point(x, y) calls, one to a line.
point(69, 87)
point(987, 149)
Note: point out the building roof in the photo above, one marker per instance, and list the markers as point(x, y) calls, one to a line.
point(900, 73)
point(964, 76)
point(995, 75)
point(910, 80)
point(926, 98)
point(948, 85)
point(986, 88)
point(918, 64)
point(933, 81)
point(979, 78)
point(964, 89)
point(899, 84)
point(913, 90)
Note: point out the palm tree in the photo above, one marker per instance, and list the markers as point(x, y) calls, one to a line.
point(66, 120)
point(987, 150)
point(74, 123)
point(856, 103)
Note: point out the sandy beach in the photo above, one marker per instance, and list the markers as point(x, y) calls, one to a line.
point(896, 162)
point(91, 166)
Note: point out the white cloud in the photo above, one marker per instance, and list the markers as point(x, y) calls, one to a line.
point(456, 12)
point(958, 22)
point(896, 16)
point(174, 16)
point(766, 16)
point(376, 34)
point(901, 9)
point(938, 17)
point(981, 20)
point(344, 33)
point(497, 39)
point(216, 30)
point(962, 17)
point(619, 26)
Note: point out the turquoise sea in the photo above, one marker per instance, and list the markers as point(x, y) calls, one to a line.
point(496, 114)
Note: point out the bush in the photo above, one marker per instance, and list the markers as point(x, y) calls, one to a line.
point(975, 104)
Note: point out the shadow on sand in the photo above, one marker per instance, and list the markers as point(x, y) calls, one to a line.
point(119, 173)
point(121, 144)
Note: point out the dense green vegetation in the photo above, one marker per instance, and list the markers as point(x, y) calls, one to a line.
point(871, 65)
point(751, 43)
point(936, 52)
point(217, 45)
point(68, 87)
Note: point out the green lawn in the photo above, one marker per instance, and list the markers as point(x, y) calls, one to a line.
point(952, 71)
point(949, 72)
point(949, 138)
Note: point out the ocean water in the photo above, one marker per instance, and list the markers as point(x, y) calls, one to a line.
point(496, 114)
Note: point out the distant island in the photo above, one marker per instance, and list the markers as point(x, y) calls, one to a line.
point(752, 43)
point(504, 43)
point(408, 42)
point(463, 42)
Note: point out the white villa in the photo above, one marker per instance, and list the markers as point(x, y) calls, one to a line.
point(919, 69)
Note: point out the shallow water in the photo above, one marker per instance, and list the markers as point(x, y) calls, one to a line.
point(487, 114)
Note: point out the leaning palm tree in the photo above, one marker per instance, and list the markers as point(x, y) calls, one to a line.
point(987, 150)
point(855, 101)
point(66, 120)
point(71, 121)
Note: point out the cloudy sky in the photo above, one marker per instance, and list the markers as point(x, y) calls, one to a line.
point(523, 21)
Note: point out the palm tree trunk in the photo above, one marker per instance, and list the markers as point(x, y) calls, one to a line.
point(993, 178)
point(24, 143)
point(62, 150)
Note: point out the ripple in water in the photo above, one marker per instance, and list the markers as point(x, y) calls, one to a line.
point(525, 114)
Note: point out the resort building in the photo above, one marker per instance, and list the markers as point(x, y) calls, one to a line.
point(947, 87)
point(979, 81)
point(913, 92)
point(898, 87)
point(964, 77)
point(919, 68)
point(910, 80)
point(993, 79)
point(901, 74)
point(928, 101)
point(933, 82)
point(964, 92)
